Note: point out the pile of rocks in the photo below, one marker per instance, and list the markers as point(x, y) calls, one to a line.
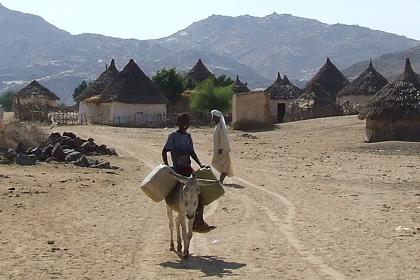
point(66, 148)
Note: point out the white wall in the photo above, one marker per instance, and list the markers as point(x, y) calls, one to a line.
point(135, 114)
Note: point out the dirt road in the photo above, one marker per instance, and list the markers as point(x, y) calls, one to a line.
point(309, 200)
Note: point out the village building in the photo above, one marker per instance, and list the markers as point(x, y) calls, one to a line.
point(133, 100)
point(90, 111)
point(282, 92)
point(197, 74)
point(34, 99)
point(35, 95)
point(318, 97)
point(394, 112)
point(239, 86)
point(356, 95)
point(251, 110)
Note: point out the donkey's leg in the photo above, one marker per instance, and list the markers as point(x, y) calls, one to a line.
point(184, 236)
point(171, 226)
point(189, 235)
point(178, 233)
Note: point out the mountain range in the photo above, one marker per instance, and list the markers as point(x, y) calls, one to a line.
point(256, 48)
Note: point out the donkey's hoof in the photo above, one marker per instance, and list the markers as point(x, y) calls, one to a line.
point(179, 248)
point(172, 248)
point(186, 255)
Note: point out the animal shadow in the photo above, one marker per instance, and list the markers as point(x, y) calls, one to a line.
point(233, 186)
point(208, 265)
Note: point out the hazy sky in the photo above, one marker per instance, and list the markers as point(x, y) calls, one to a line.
point(157, 18)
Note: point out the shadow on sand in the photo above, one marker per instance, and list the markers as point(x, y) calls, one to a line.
point(233, 186)
point(208, 265)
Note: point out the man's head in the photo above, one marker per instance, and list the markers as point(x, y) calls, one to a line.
point(183, 121)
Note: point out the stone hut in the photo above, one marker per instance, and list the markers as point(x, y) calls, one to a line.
point(282, 92)
point(239, 86)
point(319, 95)
point(133, 100)
point(251, 110)
point(394, 112)
point(356, 95)
point(35, 95)
point(89, 109)
point(34, 98)
point(197, 74)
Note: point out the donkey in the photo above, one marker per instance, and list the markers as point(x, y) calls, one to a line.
point(184, 200)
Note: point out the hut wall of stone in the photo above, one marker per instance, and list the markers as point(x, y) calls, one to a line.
point(353, 104)
point(274, 108)
point(34, 100)
point(402, 130)
point(251, 110)
point(93, 113)
point(137, 114)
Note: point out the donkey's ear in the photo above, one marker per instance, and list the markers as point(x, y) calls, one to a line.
point(179, 177)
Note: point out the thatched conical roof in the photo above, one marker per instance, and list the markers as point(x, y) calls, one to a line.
point(36, 89)
point(199, 72)
point(399, 100)
point(329, 78)
point(283, 89)
point(368, 83)
point(100, 84)
point(239, 86)
point(317, 94)
point(132, 86)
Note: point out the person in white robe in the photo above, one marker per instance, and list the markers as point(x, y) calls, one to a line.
point(221, 149)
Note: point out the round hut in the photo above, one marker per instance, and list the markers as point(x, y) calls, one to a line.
point(356, 95)
point(133, 100)
point(318, 97)
point(239, 86)
point(394, 112)
point(34, 97)
point(197, 74)
point(89, 110)
point(282, 92)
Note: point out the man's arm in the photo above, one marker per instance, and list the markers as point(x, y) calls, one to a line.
point(165, 156)
point(195, 158)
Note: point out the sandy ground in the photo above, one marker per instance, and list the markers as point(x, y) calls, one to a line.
point(310, 200)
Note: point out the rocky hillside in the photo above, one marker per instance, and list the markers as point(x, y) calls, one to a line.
point(255, 48)
point(390, 65)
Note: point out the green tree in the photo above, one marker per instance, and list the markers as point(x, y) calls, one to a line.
point(207, 96)
point(6, 100)
point(171, 83)
point(80, 88)
point(223, 81)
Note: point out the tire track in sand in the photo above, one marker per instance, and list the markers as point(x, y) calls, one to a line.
point(286, 229)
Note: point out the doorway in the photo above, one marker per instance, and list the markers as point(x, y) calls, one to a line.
point(281, 111)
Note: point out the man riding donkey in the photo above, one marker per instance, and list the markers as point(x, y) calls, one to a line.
point(181, 147)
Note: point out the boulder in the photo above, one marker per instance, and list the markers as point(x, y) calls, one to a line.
point(78, 142)
point(54, 136)
point(82, 162)
point(102, 149)
point(35, 151)
point(58, 153)
point(112, 152)
point(20, 149)
point(70, 134)
point(74, 156)
point(9, 154)
point(103, 165)
point(68, 151)
point(26, 160)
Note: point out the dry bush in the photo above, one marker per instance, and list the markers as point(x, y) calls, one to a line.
point(14, 132)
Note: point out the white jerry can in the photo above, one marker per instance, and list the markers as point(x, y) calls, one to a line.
point(159, 183)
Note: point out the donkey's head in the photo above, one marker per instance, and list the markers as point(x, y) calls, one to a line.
point(190, 193)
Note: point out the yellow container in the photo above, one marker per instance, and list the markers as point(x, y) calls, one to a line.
point(159, 183)
point(209, 192)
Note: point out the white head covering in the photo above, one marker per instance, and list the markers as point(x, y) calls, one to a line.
point(219, 114)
